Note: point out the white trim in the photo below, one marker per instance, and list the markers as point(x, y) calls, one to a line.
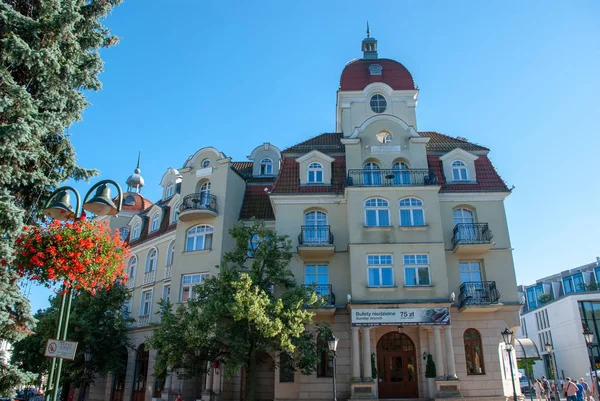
point(315, 153)
point(357, 130)
point(204, 172)
point(457, 154)
point(174, 199)
point(151, 291)
point(171, 172)
point(304, 199)
point(266, 147)
point(473, 196)
point(350, 141)
point(153, 242)
point(148, 258)
point(193, 159)
point(162, 293)
point(423, 139)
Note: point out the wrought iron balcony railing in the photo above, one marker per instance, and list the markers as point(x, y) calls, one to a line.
point(315, 236)
point(199, 201)
point(390, 178)
point(324, 291)
point(471, 233)
point(478, 293)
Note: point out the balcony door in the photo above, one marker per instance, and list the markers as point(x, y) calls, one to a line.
point(371, 174)
point(401, 173)
point(315, 228)
point(317, 275)
point(464, 220)
point(205, 193)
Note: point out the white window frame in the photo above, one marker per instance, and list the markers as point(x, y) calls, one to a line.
point(313, 171)
point(377, 207)
point(135, 233)
point(151, 261)
point(418, 265)
point(380, 261)
point(155, 222)
point(319, 272)
point(266, 166)
point(170, 253)
point(165, 286)
point(191, 284)
point(411, 208)
point(378, 103)
point(467, 216)
point(175, 212)
point(208, 230)
point(132, 267)
point(458, 168)
point(371, 172)
point(143, 301)
point(205, 163)
point(470, 271)
point(123, 233)
point(169, 190)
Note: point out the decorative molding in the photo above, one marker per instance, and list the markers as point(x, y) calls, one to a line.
point(473, 196)
point(458, 153)
point(350, 141)
point(379, 117)
point(317, 154)
point(204, 172)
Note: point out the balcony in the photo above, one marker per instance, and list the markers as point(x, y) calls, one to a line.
point(130, 284)
point(479, 296)
point(391, 178)
point(472, 239)
point(198, 205)
point(143, 321)
point(326, 298)
point(149, 277)
point(315, 242)
point(168, 271)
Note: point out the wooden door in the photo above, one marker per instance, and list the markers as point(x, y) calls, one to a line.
point(140, 375)
point(397, 367)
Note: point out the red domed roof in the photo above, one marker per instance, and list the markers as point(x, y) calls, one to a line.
point(356, 75)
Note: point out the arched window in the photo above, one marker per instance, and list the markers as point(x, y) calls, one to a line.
point(131, 267)
point(464, 224)
point(136, 231)
point(384, 137)
point(205, 193)
point(371, 174)
point(266, 166)
point(252, 244)
point(315, 172)
point(198, 238)
point(315, 228)
point(459, 171)
point(175, 212)
point(169, 191)
point(377, 213)
point(171, 253)
point(151, 260)
point(463, 216)
point(123, 233)
point(154, 226)
point(325, 361)
point(401, 173)
point(141, 372)
point(411, 212)
point(474, 352)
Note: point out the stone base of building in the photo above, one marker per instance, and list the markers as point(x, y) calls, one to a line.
point(363, 390)
point(448, 390)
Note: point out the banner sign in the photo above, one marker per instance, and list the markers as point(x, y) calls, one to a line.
point(401, 317)
point(60, 349)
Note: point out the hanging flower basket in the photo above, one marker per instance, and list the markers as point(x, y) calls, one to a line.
point(84, 255)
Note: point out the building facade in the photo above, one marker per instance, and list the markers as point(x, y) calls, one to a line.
point(403, 232)
point(555, 311)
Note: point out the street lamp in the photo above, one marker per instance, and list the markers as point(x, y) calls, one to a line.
point(549, 349)
point(87, 356)
point(59, 207)
point(332, 343)
point(588, 335)
point(507, 336)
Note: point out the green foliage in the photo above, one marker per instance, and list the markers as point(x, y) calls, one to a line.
point(430, 370)
point(236, 316)
point(527, 366)
point(592, 287)
point(373, 366)
point(11, 377)
point(544, 298)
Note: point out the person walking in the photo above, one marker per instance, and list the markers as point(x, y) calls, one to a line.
point(570, 390)
point(537, 387)
point(555, 391)
point(586, 389)
point(546, 386)
point(579, 390)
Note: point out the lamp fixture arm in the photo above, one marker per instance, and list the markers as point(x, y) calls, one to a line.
point(66, 188)
point(114, 183)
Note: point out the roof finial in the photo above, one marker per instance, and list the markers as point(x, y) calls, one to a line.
point(369, 45)
point(137, 169)
point(135, 181)
point(368, 30)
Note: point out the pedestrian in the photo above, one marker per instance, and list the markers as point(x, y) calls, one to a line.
point(555, 391)
point(537, 387)
point(586, 389)
point(179, 397)
point(570, 390)
point(580, 396)
point(546, 386)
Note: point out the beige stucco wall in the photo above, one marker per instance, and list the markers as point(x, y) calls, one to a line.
point(315, 159)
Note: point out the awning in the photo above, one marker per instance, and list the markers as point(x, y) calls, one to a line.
point(526, 349)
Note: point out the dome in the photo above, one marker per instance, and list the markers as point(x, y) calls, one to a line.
point(357, 75)
point(135, 180)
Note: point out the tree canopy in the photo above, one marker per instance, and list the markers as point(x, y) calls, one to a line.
point(253, 306)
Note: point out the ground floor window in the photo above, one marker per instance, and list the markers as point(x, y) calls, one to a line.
point(325, 363)
point(474, 352)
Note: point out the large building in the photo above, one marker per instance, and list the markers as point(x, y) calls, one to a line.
point(404, 233)
point(555, 311)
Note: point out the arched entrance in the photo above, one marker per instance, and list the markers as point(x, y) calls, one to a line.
point(140, 374)
point(118, 385)
point(397, 367)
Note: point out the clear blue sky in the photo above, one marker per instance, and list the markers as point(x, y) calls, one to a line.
point(518, 77)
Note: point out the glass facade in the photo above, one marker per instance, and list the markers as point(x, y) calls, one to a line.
point(590, 317)
point(533, 294)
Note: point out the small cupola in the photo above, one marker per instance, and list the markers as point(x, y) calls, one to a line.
point(135, 180)
point(369, 45)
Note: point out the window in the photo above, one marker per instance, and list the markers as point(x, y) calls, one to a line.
point(169, 191)
point(459, 171)
point(325, 361)
point(155, 222)
point(146, 306)
point(176, 212)
point(315, 173)
point(129, 200)
point(474, 352)
point(384, 137)
point(166, 294)
point(463, 216)
point(378, 103)
point(198, 238)
point(574, 283)
point(286, 368)
point(416, 270)
point(253, 244)
point(377, 213)
point(411, 212)
point(266, 166)
point(533, 293)
point(171, 253)
point(151, 260)
point(315, 230)
point(204, 194)
point(470, 272)
point(131, 266)
point(380, 270)
point(401, 173)
point(205, 163)
point(188, 283)
point(371, 174)
point(316, 274)
point(123, 233)
point(136, 231)
point(465, 229)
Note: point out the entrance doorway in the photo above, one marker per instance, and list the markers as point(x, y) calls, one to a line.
point(397, 367)
point(140, 374)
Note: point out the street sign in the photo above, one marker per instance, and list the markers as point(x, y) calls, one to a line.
point(60, 349)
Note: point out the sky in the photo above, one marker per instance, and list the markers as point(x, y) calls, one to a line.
point(520, 78)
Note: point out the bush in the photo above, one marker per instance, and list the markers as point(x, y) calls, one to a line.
point(430, 371)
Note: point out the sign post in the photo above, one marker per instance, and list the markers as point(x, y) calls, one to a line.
point(60, 349)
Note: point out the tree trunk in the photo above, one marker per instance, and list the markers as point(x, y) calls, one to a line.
point(250, 375)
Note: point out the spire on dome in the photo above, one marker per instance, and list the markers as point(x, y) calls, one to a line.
point(369, 45)
point(135, 180)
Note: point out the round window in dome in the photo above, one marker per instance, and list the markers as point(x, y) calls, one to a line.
point(205, 163)
point(378, 103)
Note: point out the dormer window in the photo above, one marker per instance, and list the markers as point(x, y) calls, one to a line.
point(459, 171)
point(375, 69)
point(136, 231)
point(169, 191)
point(378, 103)
point(129, 200)
point(205, 163)
point(315, 173)
point(266, 166)
point(155, 222)
point(123, 233)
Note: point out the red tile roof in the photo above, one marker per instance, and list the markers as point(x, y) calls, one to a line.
point(256, 203)
point(356, 75)
point(244, 168)
point(288, 180)
point(444, 143)
point(326, 143)
point(488, 178)
point(140, 203)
